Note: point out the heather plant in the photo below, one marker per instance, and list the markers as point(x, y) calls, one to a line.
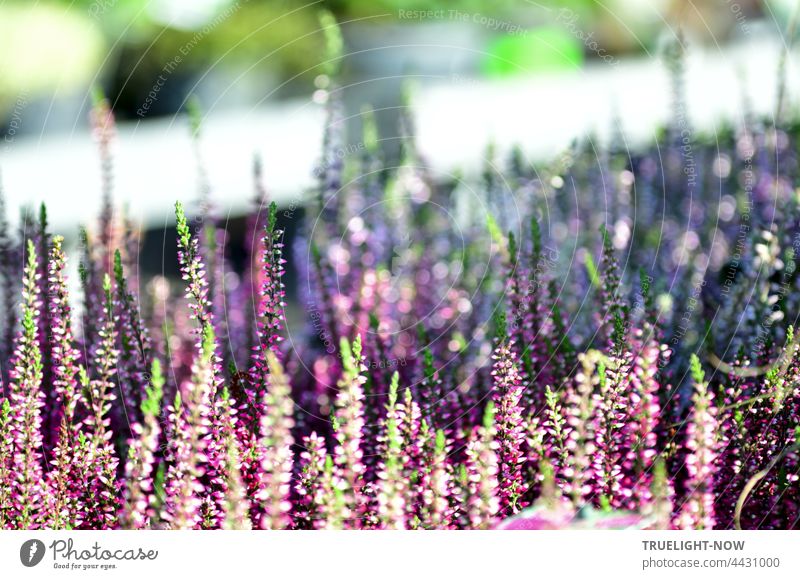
point(535, 363)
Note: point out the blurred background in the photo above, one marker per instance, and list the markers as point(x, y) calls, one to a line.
point(536, 74)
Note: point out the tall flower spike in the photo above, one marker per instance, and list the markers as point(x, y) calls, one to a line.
point(101, 496)
point(436, 481)
point(64, 479)
point(237, 506)
point(335, 512)
point(482, 502)
point(65, 354)
point(193, 272)
point(50, 420)
point(409, 425)
point(348, 429)
point(6, 456)
point(186, 501)
point(136, 510)
point(27, 400)
point(507, 397)
point(556, 443)
point(697, 511)
point(216, 418)
point(276, 447)
point(134, 341)
point(309, 512)
point(391, 493)
point(610, 425)
point(271, 305)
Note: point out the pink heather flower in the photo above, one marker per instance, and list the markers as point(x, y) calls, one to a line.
point(308, 513)
point(64, 479)
point(348, 430)
point(697, 510)
point(101, 500)
point(507, 397)
point(6, 456)
point(435, 481)
point(134, 344)
point(409, 427)
point(193, 272)
point(187, 501)
point(644, 411)
point(482, 503)
point(579, 412)
point(216, 417)
point(392, 482)
point(237, 505)
point(333, 503)
point(137, 511)
point(271, 305)
point(276, 447)
point(556, 441)
point(610, 427)
point(65, 354)
point(27, 486)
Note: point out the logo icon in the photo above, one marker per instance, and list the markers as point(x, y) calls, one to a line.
point(31, 553)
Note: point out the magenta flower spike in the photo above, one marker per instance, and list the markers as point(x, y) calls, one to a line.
point(65, 477)
point(391, 478)
point(697, 509)
point(435, 481)
point(216, 417)
point(100, 498)
point(555, 441)
point(138, 501)
point(483, 505)
point(6, 456)
point(188, 502)
point(309, 509)
point(27, 488)
point(645, 413)
point(610, 425)
point(276, 447)
point(134, 344)
point(348, 431)
point(508, 423)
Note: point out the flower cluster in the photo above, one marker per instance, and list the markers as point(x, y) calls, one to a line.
point(465, 357)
